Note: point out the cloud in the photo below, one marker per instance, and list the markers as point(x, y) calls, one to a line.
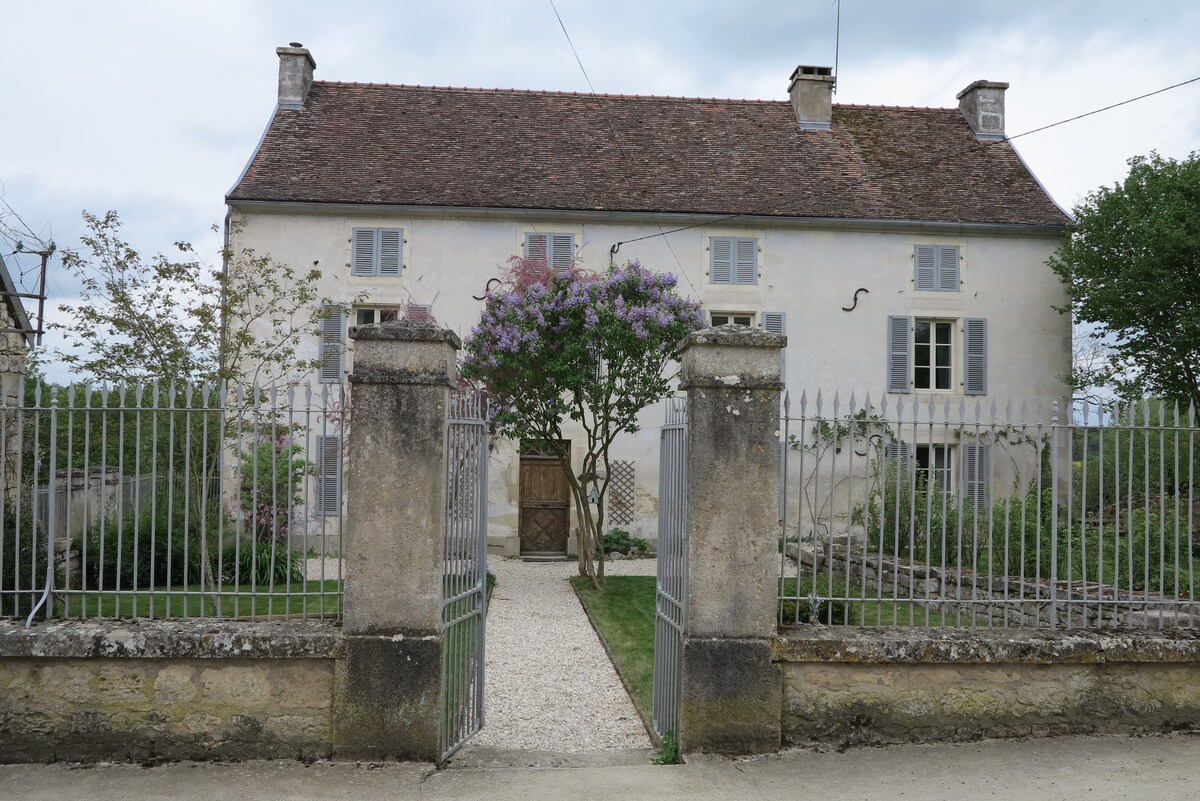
point(153, 108)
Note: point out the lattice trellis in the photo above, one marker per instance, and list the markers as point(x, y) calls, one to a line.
point(620, 493)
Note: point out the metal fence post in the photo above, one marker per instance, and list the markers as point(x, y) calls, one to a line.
point(1054, 514)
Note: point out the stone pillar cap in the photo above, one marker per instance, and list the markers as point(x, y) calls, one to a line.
point(406, 331)
point(731, 334)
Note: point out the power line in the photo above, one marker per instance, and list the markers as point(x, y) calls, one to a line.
point(1106, 108)
point(621, 149)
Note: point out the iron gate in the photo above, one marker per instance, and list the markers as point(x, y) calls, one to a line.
point(464, 572)
point(672, 568)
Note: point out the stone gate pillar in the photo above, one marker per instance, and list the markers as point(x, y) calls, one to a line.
point(731, 692)
point(387, 683)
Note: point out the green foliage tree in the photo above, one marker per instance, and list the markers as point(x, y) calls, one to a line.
point(171, 333)
point(1131, 264)
point(556, 345)
point(184, 320)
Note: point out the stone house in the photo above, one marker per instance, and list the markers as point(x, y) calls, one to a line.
point(901, 250)
point(17, 335)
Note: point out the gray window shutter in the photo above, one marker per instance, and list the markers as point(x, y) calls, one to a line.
point(897, 450)
point(975, 356)
point(536, 248)
point(975, 475)
point(329, 474)
point(720, 260)
point(332, 349)
point(925, 259)
point(947, 271)
point(776, 323)
point(362, 251)
point(746, 261)
point(391, 248)
point(562, 251)
point(899, 354)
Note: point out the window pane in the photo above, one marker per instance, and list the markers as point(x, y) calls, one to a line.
point(365, 316)
point(921, 334)
point(720, 319)
point(741, 319)
point(921, 379)
point(389, 315)
point(943, 333)
point(943, 356)
point(943, 378)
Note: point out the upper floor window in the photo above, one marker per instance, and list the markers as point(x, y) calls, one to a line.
point(553, 250)
point(366, 315)
point(936, 268)
point(921, 354)
point(376, 251)
point(737, 318)
point(732, 260)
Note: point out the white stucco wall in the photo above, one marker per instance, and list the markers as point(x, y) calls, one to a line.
point(808, 271)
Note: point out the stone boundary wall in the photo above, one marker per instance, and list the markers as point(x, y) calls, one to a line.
point(854, 687)
point(154, 690)
point(996, 600)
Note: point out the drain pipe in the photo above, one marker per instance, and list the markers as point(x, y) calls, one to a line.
point(51, 517)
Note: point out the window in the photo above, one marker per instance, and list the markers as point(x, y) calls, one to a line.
point(736, 318)
point(920, 354)
point(329, 474)
point(931, 354)
point(332, 349)
point(366, 315)
point(732, 260)
point(376, 251)
point(933, 467)
point(554, 250)
point(936, 268)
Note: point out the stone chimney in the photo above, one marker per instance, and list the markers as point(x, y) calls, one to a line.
point(982, 103)
point(296, 67)
point(811, 91)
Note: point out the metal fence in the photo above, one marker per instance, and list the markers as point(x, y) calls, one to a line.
point(671, 582)
point(172, 502)
point(464, 571)
point(930, 513)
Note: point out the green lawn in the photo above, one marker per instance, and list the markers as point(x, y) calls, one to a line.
point(623, 613)
point(307, 599)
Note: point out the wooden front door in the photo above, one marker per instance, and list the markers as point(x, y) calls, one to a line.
point(545, 515)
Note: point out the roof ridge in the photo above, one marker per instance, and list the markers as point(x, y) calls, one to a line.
point(550, 92)
point(894, 108)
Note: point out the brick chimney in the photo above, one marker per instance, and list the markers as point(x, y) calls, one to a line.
point(982, 103)
point(811, 91)
point(296, 67)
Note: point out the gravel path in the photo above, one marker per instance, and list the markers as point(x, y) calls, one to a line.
point(549, 683)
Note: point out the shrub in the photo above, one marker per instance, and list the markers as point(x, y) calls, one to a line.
point(22, 566)
point(272, 475)
point(150, 549)
point(620, 541)
point(251, 562)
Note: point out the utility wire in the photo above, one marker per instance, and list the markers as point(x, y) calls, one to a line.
point(1106, 108)
point(621, 148)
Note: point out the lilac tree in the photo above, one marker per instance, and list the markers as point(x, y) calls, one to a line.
point(557, 345)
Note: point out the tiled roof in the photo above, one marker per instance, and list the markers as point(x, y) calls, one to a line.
point(413, 145)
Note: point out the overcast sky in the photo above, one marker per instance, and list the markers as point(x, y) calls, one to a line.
point(153, 108)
